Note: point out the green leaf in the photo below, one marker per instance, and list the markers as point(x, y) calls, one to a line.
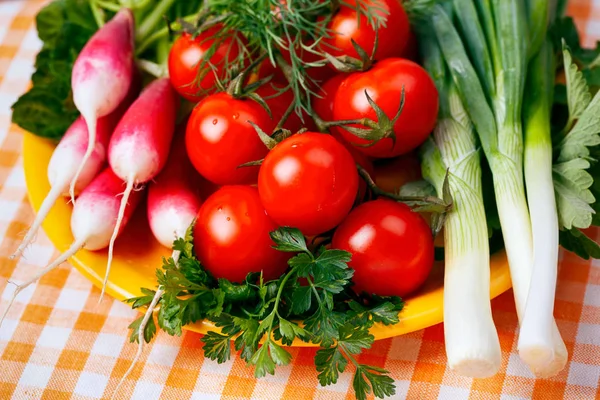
point(585, 133)
point(169, 318)
point(185, 245)
point(289, 240)
point(324, 325)
point(329, 363)
point(217, 347)
point(262, 361)
point(142, 301)
point(420, 188)
point(303, 263)
point(289, 331)
point(149, 330)
point(577, 242)
point(301, 299)
point(279, 354)
point(573, 196)
point(49, 21)
point(47, 109)
point(333, 258)
point(578, 93)
point(355, 340)
point(369, 379)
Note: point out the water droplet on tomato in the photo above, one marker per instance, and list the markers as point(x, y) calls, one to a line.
point(215, 121)
point(236, 116)
point(220, 208)
point(228, 219)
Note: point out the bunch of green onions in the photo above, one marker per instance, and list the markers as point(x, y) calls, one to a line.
point(494, 69)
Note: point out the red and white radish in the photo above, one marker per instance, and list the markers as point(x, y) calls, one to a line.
point(67, 159)
point(102, 76)
point(139, 147)
point(174, 197)
point(173, 202)
point(93, 221)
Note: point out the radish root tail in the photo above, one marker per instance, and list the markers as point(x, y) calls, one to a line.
point(75, 247)
point(47, 204)
point(91, 122)
point(142, 328)
point(140, 348)
point(111, 246)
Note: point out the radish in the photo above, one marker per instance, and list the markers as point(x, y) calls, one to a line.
point(139, 147)
point(92, 222)
point(67, 159)
point(173, 203)
point(102, 75)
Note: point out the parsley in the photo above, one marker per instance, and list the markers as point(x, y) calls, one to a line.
point(311, 302)
point(576, 150)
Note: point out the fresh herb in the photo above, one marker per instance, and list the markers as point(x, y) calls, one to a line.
point(311, 302)
point(576, 163)
point(47, 110)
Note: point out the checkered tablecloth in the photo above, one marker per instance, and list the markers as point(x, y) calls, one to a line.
point(57, 343)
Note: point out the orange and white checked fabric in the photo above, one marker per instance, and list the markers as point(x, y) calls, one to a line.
point(57, 343)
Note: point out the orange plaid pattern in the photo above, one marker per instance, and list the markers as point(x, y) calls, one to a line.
point(58, 343)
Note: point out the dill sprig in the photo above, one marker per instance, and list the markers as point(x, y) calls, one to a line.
point(290, 28)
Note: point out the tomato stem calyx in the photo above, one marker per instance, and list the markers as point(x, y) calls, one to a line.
point(417, 203)
point(374, 131)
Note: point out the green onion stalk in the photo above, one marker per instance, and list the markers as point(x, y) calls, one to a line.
point(540, 344)
point(452, 153)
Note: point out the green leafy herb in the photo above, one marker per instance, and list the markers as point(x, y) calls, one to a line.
point(47, 109)
point(576, 148)
point(262, 317)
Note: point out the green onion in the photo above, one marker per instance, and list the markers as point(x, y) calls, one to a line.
point(472, 344)
point(540, 344)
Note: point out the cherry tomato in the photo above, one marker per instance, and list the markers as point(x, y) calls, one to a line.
point(392, 247)
point(187, 54)
point(384, 83)
point(266, 69)
point(391, 175)
point(323, 103)
point(308, 181)
point(219, 138)
point(323, 106)
point(279, 101)
point(345, 27)
point(231, 236)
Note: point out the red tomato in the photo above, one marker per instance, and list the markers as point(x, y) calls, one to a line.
point(323, 103)
point(231, 236)
point(384, 84)
point(279, 105)
point(219, 138)
point(391, 175)
point(392, 247)
point(266, 69)
point(308, 181)
point(345, 26)
point(187, 54)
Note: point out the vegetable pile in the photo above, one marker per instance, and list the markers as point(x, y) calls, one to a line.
point(300, 163)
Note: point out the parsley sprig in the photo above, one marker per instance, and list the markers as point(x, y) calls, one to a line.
point(311, 302)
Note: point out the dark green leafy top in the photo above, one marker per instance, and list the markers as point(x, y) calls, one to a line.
point(263, 317)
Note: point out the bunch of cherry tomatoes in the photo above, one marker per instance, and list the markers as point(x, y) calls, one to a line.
point(309, 180)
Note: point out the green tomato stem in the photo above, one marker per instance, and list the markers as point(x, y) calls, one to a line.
point(150, 22)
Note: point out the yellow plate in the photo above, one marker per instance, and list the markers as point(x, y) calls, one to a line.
point(138, 254)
